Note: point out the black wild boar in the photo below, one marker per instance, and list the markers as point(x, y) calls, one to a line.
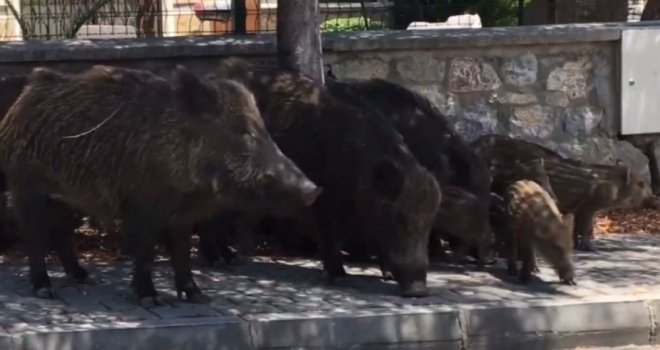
point(535, 224)
point(650, 146)
point(457, 168)
point(583, 189)
point(157, 154)
point(10, 88)
point(369, 176)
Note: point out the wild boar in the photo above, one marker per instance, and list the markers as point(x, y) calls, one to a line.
point(157, 154)
point(436, 145)
point(532, 170)
point(370, 177)
point(583, 189)
point(536, 224)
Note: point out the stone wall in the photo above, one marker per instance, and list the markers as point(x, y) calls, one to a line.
point(555, 85)
point(562, 96)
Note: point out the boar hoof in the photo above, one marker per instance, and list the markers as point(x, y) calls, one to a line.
point(44, 293)
point(415, 290)
point(332, 277)
point(194, 296)
point(512, 271)
point(525, 279)
point(79, 275)
point(568, 282)
point(240, 260)
point(152, 301)
point(387, 275)
point(586, 247)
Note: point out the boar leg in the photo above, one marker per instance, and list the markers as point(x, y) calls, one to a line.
point(143, 232)
point(214, 239)
point(583, 230)
point(332, 219)
point(245, 226)
point(63, 242)
point(654, 169)
point(511, 245)
point(527, 257)
point(33, 213)
point(208, 243)
point(178, 244)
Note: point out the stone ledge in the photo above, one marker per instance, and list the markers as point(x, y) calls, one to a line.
point(265, 44)
point(194, 333)
point(416, 324)
point(560, 323)
point(489, 326)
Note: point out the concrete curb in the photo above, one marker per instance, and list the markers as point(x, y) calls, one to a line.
point(498, 325)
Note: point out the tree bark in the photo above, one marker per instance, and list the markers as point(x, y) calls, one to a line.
point(651, 10)
point(299, 45)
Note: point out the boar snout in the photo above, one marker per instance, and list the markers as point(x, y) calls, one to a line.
point(310, 192)
point(415, 289)
point(292, 183)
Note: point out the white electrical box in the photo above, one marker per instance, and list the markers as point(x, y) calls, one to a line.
point(640, 81)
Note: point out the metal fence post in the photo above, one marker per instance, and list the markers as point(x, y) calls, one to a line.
point(240, 16)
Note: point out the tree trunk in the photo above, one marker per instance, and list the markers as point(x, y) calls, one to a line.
point(299, 37)
point(651, 10)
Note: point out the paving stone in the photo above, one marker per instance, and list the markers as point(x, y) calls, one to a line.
point(616, 289)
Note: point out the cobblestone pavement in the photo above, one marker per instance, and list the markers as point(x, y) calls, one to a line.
point(625, 266)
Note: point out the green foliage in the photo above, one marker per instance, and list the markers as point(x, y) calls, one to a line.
point(497, 12)
point(349, 24)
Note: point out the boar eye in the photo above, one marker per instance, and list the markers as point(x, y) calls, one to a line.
point(640, 184)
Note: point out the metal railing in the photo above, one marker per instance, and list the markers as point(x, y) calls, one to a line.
point(89, 19)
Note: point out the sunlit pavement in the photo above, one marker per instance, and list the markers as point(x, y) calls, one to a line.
point(286, 304)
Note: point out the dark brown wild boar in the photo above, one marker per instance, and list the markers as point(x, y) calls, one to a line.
point(535, 224)
point(436, 145)
point(369, 176)
point(157, 154)
point(583, 189)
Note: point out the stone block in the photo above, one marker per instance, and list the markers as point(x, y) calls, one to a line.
point(476, 119)
point(6, 341)
point(514, 98)
point(191, 334)
point(421, 67)
point(428, 324)
point(361, 69)
point(472, 74)
point(571, 78)
point(555, 318)
point(520, 70)
point(556, 98)
point(581, 121)
point(534, 121)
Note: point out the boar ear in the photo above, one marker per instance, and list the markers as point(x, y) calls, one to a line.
point(194, 95)
point(234, 68)
point(496, 200)
point(388, 180)
point(44, 74)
